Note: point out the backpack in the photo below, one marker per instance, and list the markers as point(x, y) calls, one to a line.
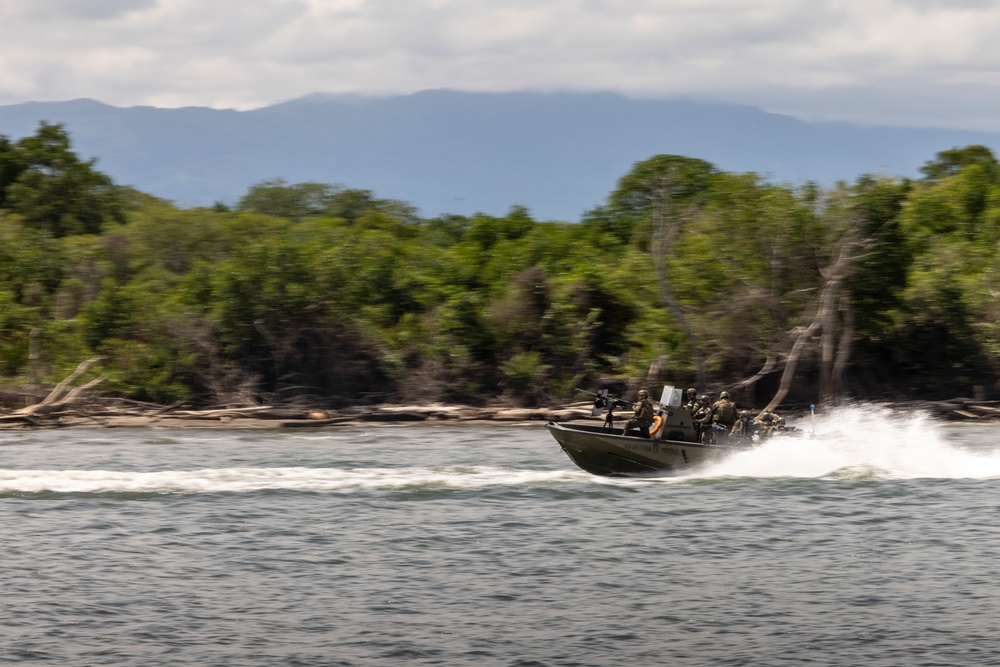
point(727, 412)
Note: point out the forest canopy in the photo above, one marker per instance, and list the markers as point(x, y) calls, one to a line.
point(884, 287)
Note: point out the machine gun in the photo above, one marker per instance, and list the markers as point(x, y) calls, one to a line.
point(604, 401)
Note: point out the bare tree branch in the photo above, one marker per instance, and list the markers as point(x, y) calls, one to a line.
point(832, 360)
point(770, 366)
point(667, 224)
point(57, 392)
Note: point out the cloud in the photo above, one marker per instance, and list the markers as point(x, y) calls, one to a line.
point(826, 58)
point(60, 10)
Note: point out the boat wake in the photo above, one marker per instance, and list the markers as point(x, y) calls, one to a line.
point(855, 443)
point(249, 480)
point(863, 442)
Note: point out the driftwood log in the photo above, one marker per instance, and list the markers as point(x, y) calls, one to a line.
point(69, 405)
point(62, 401)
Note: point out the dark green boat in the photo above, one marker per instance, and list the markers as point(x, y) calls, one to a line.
point(603, 450)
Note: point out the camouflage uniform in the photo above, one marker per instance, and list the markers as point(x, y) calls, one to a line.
point(703, 420)
point(743, 428)
point(767, 421)
point(694, 403)
point(724, 412)
point(642, 417)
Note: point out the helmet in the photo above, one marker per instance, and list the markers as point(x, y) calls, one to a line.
point(724, 394)
point(643, 393)
point(703, 398)
point(691, 392)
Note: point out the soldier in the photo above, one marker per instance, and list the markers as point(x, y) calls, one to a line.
point(724, 412)
point(743, 428)
point(766, 423)
point(642, 418)
point(693, 402)
point(703, 420)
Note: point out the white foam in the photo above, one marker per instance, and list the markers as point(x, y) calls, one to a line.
point(856, 442)
point(866, 441)
point(235, 480)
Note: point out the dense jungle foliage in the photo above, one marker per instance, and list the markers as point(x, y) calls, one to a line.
point(686, 274)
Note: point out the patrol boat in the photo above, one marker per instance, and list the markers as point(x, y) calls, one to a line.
point(673, 443)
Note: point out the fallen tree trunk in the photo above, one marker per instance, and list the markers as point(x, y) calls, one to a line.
point(56, 395)
point(63, 399)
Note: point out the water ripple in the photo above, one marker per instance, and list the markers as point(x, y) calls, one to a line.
point(471, 546)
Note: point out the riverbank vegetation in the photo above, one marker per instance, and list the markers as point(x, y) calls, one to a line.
point(883, 288)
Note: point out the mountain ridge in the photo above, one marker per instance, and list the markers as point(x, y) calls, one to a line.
point(446, 151)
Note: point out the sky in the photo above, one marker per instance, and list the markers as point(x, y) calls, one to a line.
point(924, 63)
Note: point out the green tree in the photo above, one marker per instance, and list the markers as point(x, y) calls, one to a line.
point(627, 214)
point(52, 189)
point(881, 274)
point(296, 202)
point(950, 162)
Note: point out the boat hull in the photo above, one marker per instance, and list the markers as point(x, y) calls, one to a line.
point(600, 452)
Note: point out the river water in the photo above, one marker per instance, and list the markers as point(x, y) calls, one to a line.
point(870, 539)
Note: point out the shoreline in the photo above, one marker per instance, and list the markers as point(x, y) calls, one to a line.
point(283, 418)
point(265, 417)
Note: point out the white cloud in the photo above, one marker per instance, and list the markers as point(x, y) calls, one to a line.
point(779, 54)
